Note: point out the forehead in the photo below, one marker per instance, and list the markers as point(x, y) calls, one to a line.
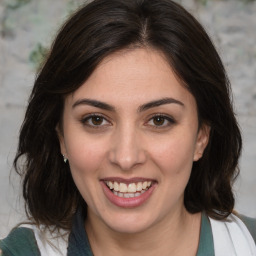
point(132, 76)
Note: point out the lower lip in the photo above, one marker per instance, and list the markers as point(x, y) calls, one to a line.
point(127, 202)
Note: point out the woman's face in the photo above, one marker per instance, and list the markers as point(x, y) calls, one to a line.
point(130, 134)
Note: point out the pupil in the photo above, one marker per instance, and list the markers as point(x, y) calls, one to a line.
point(158, 120)
point(97, 120)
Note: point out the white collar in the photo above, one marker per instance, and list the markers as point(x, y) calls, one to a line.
point(232, 238)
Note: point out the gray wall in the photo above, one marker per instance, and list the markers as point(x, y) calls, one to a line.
point(28, 26)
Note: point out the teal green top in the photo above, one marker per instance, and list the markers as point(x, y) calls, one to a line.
point(205, 247)
point(250, 224)
point(22, 242)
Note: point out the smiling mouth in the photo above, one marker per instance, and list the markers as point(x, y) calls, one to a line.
point(129, 190)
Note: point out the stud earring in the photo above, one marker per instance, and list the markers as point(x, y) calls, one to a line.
point(64, 159)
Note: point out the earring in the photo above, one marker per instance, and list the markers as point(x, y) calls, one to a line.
point(64, 159)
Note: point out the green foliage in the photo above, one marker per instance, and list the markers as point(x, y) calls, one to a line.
point(38, 55)
point(17, 3)
point(203, 2)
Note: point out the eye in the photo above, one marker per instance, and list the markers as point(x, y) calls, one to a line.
point(95, 121)
point(160, 121)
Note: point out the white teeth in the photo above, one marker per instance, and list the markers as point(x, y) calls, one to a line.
point(145, 184)
point(139, 186)
point(128, 190)
point(132, 188)
point(120, 194)
point(128, 195)
point(110, 184)
point(116, 186)
point(123, 188)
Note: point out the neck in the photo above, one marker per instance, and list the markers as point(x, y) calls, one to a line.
point(178, 236)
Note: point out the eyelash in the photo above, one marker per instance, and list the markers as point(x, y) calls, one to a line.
point(87, 119)
point(170, 121)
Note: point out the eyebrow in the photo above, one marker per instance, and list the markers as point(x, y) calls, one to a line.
point(144, 107)
point(157, 103)
point(94, 103)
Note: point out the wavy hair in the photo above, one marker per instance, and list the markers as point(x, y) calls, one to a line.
point(95, 31)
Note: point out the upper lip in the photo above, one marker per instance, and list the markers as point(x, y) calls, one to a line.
point(127, 181)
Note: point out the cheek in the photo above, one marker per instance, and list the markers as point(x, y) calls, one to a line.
point(175, 154)
point(85, 154)
point(85, 160)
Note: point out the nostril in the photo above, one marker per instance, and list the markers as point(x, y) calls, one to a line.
point(127, 158)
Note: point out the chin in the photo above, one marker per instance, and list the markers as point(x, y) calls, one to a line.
point(130, 224)
point(129, 229)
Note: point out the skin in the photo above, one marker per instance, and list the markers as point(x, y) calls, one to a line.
point(128, 142)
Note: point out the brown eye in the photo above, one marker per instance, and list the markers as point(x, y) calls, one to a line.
point(159, 120)
point(97, 120)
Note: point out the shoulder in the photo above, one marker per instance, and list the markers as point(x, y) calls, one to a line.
point(232, 237)
point(20, 242)
point(250, 224)
point(33, 240)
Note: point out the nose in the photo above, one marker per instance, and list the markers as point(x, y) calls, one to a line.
point(127, 149)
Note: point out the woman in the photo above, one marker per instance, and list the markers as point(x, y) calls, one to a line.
point(130, 145)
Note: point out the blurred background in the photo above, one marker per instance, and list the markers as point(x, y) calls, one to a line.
point(27, 28)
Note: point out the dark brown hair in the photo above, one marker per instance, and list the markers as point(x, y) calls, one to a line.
point(92, 33)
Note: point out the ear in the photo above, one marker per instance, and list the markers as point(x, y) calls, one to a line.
point(202, 141)
point(60, 135)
